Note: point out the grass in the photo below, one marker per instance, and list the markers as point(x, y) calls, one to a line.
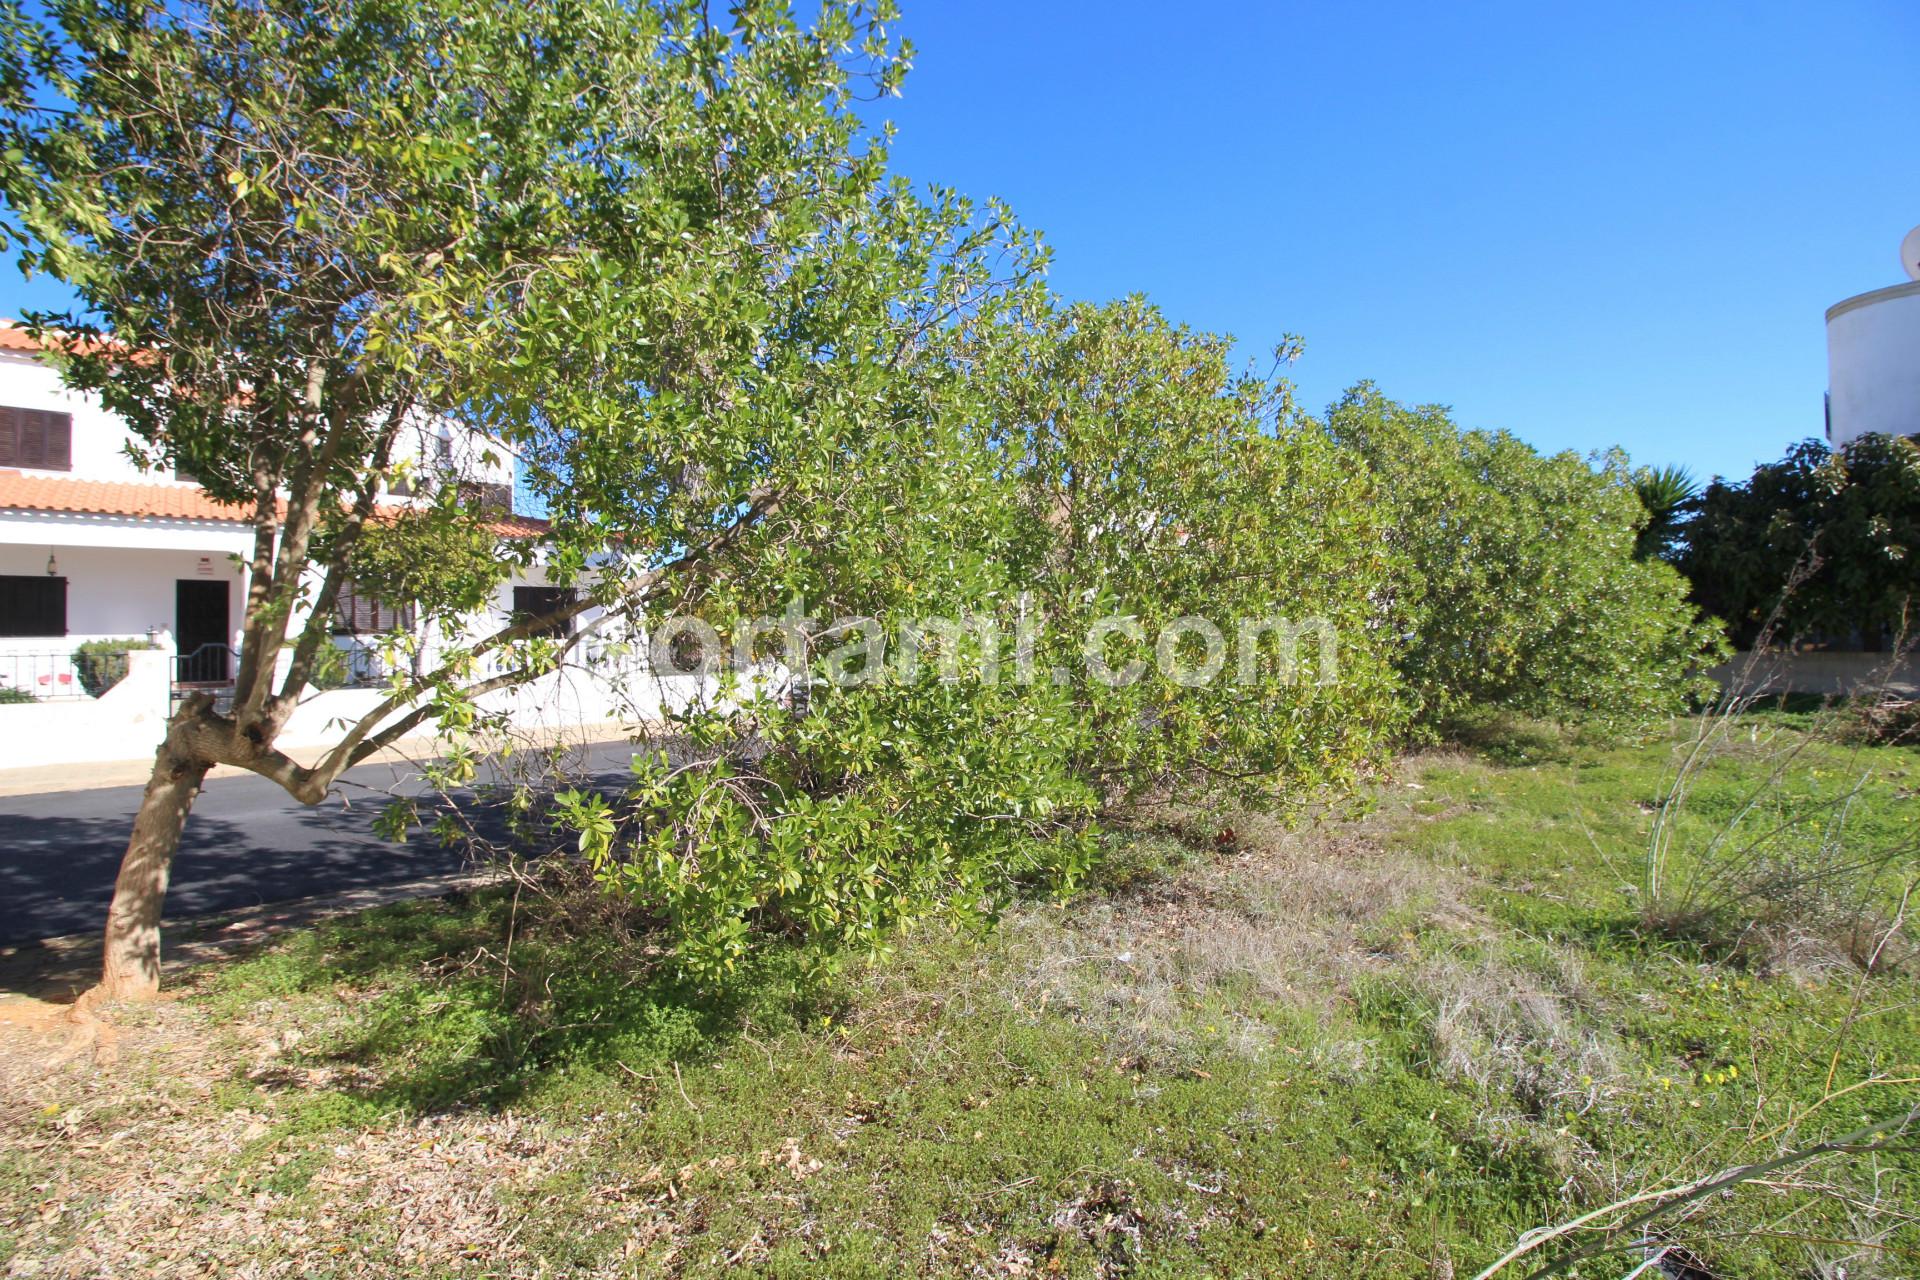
point(1374, 1049)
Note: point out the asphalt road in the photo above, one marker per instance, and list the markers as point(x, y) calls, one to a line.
point(247, 843)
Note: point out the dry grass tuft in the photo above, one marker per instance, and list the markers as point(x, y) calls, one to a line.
point(1294, 919)
point(1507, 1034)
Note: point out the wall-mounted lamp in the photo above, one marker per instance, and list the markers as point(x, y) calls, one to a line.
point(53, 566)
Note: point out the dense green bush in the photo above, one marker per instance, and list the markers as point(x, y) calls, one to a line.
point(1090, 464)
point(1155, 484)
point(101, 664)
point(1515, 581)
point(1821, 543)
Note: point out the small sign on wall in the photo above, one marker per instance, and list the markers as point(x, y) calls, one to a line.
point(206, 566)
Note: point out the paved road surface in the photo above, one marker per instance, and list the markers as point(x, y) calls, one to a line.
point(246, 843)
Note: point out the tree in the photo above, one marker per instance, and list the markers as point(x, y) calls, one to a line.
point(1671, 497)
point(1516, 584)
point(1156, 484)
point(655, 255)
point(1079, 473)
point(1821, 542)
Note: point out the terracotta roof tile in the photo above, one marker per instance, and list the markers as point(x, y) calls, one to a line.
point(20, 491)
point(14, 338)
point(23, 492)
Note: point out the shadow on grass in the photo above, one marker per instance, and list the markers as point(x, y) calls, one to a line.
point(476, 999)
point(1507, 739)
point(1689, 940)
point(482, 998)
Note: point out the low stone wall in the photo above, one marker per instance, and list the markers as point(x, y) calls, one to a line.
point(1825, 673)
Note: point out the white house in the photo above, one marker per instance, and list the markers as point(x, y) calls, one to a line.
point(93, 548)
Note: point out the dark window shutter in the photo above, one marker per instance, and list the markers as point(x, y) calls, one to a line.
point(59, 442)
point(33, 439)
point(359, 615)
point(36, 438)
point(33, 606)
point(489, 498)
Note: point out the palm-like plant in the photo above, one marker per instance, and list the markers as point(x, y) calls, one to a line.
point(1671, 495)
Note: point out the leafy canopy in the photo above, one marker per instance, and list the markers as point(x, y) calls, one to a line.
point(1821, 542)
point(1516, 582)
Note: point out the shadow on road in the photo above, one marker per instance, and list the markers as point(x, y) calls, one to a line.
point(247, 843)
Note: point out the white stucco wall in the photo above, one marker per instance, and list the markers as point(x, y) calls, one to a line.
point(99, 439)
point(101, 442)
point(118, 591)
point(1825, 673)
point(128, 722)
point(1873, 364)
point(125, 723)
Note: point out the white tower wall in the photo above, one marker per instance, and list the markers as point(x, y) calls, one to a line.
point(1873, 364)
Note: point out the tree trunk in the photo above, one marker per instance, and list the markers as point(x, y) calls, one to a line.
point(131, 961)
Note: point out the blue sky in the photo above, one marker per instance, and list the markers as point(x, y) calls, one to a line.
point(1591, 225)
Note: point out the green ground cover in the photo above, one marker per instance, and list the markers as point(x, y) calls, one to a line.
point(1380, 1047)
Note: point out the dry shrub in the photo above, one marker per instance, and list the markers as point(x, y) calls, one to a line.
point(1882, 722)
point(1788, 879)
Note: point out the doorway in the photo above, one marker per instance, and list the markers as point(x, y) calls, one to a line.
point(201, 631)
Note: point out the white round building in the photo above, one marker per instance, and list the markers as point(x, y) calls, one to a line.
point(1873, 358)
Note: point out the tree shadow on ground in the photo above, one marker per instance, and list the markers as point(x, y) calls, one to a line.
point(477, 998)
point(57, 873)
point(1507, 739)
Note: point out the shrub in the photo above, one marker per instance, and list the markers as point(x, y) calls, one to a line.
point(330, 667)
point(1821, 542)
point(1782, 866)
point(1883, 721)
point(101, 664)
point(1153, 483)
point(1085, 464)
point(9, 694)
point(1515, 582)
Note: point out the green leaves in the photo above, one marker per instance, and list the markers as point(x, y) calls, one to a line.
point(1026, 472)
point(1828, 539)
point(1515, 580)
point(659, 258)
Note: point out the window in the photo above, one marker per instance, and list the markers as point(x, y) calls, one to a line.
point(537, 602)
point(358, 614)
point(33, 605)
point(36, 438)
point(487, 497)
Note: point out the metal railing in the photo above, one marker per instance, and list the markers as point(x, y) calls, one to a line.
point(61, 676)
point(207, 669)
point(210, 664)
point(365, 668)
point(39, 677)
